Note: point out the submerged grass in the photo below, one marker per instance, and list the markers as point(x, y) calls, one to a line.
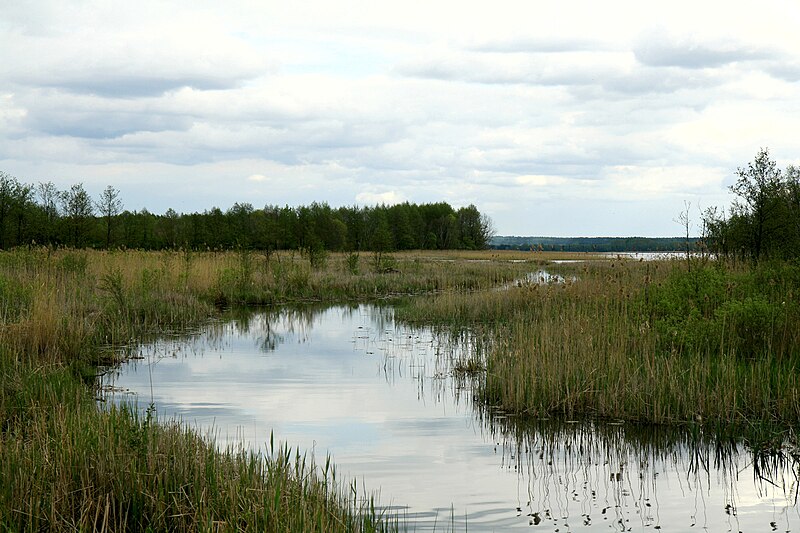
point(67, 465)
point(717, 345)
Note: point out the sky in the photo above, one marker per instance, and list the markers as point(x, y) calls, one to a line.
point(568, 118)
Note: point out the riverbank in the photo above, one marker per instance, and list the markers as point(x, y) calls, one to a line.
point(705, 344)
point(68, 465)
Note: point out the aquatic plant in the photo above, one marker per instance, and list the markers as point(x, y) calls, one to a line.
point(66, 465)
point(647, 342)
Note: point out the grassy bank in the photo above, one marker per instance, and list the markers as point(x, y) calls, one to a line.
point(657, 342)
point(67, 465)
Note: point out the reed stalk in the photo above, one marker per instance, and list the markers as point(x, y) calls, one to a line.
point(67, 465)
point(647, 342)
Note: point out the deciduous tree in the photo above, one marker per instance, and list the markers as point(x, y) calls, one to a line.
point(78, 211)
point(109, 206)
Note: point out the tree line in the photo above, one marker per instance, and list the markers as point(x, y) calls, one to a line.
point(763, 222)
point(590, 244)
point(43, 214)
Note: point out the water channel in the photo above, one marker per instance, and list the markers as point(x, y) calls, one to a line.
point(378, 397)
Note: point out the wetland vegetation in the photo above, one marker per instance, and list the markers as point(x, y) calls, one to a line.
point(67, 465)
point(709, 343)
point(381, 398)
point(638, 341)
point(712, 340)
point(712, 348)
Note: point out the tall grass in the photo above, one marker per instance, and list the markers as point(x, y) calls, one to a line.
point(67, 465)
point(646, 342)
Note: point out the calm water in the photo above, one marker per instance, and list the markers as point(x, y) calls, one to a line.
point(378, 397)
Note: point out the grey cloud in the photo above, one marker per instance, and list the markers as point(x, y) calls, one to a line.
point(661, 50)
point(585, 73)
point(102, 125)
point(110, 84)
point(567, 165)
point(53, 112)
point(784, 70)
point(586, 83)
point(483, 70)
point(104, 63)
point(129, 81)
point(289, 143)
point(646, 80)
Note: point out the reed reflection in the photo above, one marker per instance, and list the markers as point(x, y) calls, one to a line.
point(398, 405)
point(633, 476)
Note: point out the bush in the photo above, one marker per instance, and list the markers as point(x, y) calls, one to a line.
point(712, 309)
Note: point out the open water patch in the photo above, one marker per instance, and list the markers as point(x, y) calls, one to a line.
point(380, 397)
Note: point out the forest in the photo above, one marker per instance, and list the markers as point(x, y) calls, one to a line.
point(42, 214)
point(593, 244)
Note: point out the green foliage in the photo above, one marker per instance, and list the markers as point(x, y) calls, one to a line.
point(111, 285)
point(317, 255)
point(109, 206)
point(351, 261)
point(644, 342)
point(763, 220)
point(383, 263)
point(59, 218)
point(74, 262)
point(752, 323)
point(712, 310)
point(67, 465)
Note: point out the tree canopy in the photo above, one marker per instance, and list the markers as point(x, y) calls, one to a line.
point(44, 215)
point(763, 222)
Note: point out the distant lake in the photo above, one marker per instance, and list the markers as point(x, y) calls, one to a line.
point(379, 397)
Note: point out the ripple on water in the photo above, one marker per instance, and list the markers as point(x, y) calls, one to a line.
point(377, 396)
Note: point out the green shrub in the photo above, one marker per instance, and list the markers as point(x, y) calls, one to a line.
point(749, 325)
point(74, 263)
point(714, 310)
point(352, 261)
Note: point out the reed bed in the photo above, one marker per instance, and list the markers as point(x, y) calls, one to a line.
point(647, 342)
point(67, 465)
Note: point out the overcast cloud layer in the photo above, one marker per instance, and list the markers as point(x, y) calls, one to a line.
point(557, 118)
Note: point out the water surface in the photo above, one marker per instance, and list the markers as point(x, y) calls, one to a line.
point(380, 398)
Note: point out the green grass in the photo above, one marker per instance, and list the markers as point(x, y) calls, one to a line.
point(69, 466)
point(645, 342)
point(716, 347)
point(66, 465)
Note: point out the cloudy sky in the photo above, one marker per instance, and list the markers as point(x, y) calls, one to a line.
point(555, 118)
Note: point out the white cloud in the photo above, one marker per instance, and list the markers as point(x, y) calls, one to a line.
point(539, 181)
point(374, 198)
point(387, 102)
point(636, 182)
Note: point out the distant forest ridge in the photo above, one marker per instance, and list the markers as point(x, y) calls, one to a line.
point(593, 244)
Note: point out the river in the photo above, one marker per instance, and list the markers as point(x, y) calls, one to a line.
point(379, 397)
